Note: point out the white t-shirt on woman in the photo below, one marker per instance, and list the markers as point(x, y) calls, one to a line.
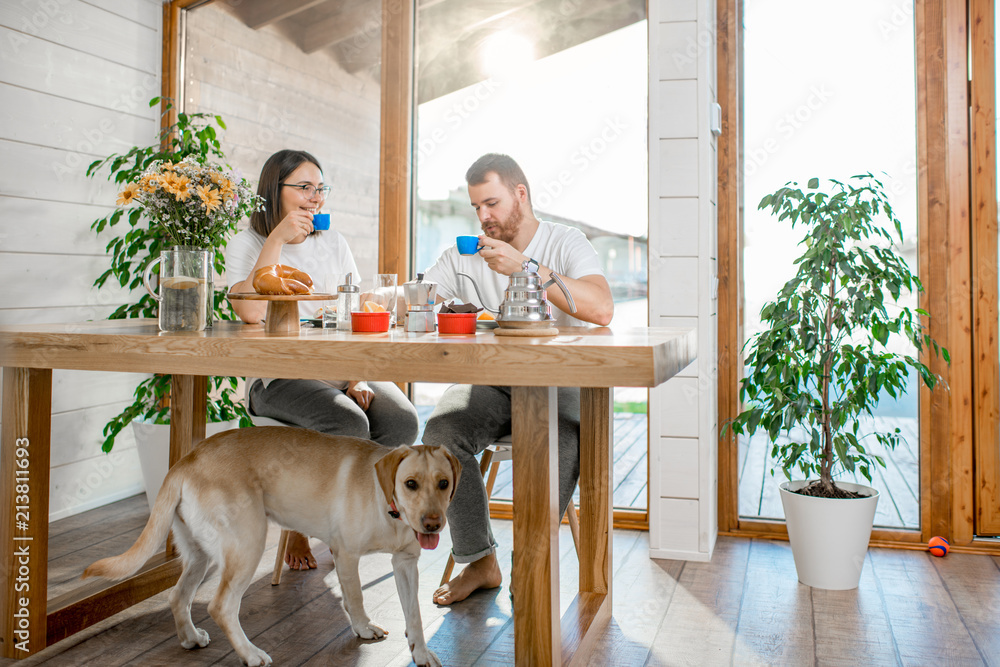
point(322, 254)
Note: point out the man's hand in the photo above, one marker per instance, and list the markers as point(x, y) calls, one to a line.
point(360, 393)
point(499, 256)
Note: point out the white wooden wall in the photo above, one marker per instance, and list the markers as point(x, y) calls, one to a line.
point(274, 96)
point(683, 181)
point(75, 81)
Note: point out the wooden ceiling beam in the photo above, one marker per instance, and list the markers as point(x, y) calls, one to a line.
point(258, 13)
point(358, 20)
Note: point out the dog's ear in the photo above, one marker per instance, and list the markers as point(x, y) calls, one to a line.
point(385, 470)
point(456, 469)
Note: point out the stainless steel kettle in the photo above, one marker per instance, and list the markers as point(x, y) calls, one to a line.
point(524, 304)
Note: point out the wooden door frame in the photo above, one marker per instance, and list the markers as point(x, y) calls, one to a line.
point(946, 422)
point(986, 373)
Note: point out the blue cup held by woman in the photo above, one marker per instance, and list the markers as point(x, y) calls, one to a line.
point(321, 221)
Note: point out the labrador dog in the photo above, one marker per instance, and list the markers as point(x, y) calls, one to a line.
point(354, 495)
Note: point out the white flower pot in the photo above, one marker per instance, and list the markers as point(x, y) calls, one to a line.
point(152, 442)
point(829, 536)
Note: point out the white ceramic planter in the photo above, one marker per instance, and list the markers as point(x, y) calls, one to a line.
point(829, 536)
point(152, 442)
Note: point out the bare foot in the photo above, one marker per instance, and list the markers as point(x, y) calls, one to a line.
point(298, 555)
point(483, 573)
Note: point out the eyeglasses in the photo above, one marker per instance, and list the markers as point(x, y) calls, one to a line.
point(310, 190)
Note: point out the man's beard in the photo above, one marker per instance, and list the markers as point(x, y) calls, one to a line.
point(507, 230)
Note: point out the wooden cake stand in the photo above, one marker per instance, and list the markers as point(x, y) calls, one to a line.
point(282, 309)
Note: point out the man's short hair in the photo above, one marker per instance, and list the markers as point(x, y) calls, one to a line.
point(503, 166)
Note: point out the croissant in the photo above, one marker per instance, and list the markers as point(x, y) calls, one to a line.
point(281, 279)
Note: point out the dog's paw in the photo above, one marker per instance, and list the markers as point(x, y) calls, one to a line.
point(199, 640)
point(370, 631)
point(425, 657)
point(256, 658)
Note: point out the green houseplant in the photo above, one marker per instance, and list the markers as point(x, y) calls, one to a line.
point(180, 197)
point(816, 371)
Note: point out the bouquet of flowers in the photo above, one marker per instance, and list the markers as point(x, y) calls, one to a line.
point(195, 204)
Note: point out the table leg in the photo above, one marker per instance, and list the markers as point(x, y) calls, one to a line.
point(188, 400)
point(591, 610)
point(24, 496)
point(536, 527)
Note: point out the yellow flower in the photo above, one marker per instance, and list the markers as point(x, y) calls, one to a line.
point(150, 182)
point(178, 186)
point(167, 166)
point(126, 196)
point(209, 197)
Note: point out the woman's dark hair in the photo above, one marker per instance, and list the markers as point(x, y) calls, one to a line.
point(503, 166)
point(272, 175)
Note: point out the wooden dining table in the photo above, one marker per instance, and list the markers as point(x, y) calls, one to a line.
point(594, 359)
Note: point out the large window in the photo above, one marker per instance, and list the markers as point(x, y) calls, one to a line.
point(827, 103)
point(565, 96)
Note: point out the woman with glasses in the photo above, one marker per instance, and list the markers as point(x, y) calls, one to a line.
point(291, 184)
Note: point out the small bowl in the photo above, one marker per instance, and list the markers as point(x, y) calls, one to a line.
point(362, 322)
point(457, 323)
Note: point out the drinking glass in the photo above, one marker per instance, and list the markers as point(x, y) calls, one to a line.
point(384, 293)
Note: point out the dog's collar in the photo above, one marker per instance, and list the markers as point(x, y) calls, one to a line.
point(393, 512)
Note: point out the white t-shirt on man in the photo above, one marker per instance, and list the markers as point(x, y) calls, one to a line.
point(561, 248)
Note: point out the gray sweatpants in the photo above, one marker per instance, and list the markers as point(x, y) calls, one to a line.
point(391, 419)
point(466, 420)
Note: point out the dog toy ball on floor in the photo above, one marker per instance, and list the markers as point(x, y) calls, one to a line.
point(938, 546)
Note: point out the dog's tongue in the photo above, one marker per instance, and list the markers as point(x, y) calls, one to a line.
point(428, 540)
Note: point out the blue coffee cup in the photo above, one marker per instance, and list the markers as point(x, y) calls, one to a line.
point(468, 245)
point(321, 221)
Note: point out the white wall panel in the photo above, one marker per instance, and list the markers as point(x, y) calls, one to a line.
point(677, 234)
point(678, 467)
point(679, 175)
point(678, 408)
point(678, 109)
point(677, 286)
point(75, 81)
point(683, 269)
point(677, 50)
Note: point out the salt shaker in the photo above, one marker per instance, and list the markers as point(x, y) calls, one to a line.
point(348, 300)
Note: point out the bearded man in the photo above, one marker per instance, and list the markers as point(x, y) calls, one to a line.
point(469, 418)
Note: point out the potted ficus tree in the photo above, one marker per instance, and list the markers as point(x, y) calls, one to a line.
point(173, 193)
point(834, 340)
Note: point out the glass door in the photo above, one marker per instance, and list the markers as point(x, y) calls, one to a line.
point(827, 103)
point(565, 95)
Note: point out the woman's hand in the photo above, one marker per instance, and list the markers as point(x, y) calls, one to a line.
point(294, 227)
point(360, 393)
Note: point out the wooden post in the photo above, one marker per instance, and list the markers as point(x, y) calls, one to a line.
point(24, 496)
point(537, 634)
point(395, 177)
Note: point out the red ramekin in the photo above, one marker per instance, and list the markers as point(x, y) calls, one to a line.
point(362, 322)
point(457, 323)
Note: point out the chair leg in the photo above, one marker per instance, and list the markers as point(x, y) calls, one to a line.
point(574, 526)
point(279, 559)
point(484, 465)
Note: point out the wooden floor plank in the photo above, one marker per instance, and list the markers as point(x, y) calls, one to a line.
point(775, 623)
point(925, 622)
point(973, 583)
point(852, 627)
point(699, 627)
